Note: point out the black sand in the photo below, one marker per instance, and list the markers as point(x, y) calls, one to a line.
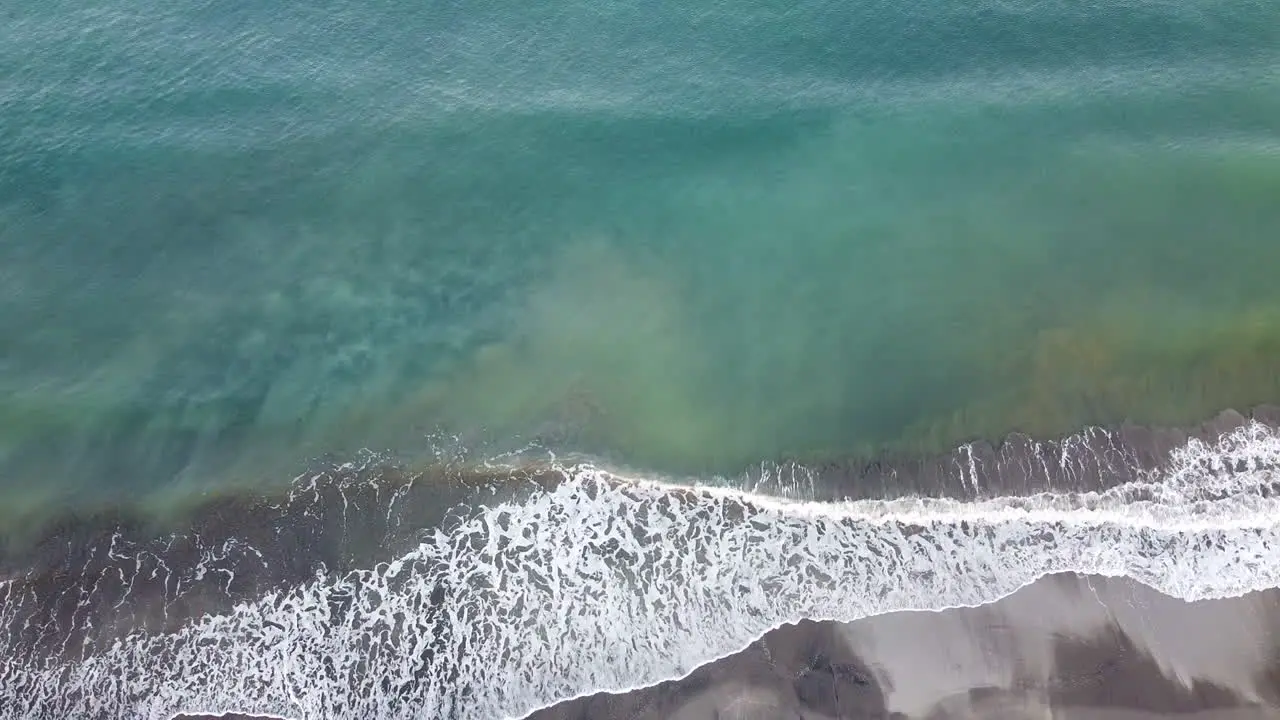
point(90, 579)
point(1070, 647)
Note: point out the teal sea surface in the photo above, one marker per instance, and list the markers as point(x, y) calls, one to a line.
point(683, 237)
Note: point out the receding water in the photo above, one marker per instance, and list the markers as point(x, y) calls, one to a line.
point(683, 236)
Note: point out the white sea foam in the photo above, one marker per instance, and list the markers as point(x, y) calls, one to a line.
point(601, 583)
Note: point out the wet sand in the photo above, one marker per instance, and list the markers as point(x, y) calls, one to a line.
point(1067, 647)
point(350, 517)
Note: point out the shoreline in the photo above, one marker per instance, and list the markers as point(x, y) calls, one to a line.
point(1092, 459)
point(352, 516)
point(1067, 646)
point(357, 521)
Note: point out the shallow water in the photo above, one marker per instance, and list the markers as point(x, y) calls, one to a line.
point(680, 236)
point(584, 581)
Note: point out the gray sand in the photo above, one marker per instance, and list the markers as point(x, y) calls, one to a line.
point(1067, 647)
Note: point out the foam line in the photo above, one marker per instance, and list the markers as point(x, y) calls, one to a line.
point(604, 583)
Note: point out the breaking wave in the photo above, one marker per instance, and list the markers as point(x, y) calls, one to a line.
point(600, 582)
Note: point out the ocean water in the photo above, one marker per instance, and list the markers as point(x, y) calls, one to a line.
point(645, 247)
point(679, 236)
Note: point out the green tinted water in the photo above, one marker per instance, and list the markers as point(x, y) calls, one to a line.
point(217, 285)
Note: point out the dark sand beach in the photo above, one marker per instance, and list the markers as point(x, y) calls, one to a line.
point(1067, 647)
point(350, 516)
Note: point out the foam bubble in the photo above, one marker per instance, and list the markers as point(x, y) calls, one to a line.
point(604, 583)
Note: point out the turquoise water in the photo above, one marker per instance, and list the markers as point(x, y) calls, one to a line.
point(680, 236)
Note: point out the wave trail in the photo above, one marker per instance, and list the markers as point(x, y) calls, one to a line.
point(597, 582)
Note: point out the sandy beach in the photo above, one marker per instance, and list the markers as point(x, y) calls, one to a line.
point(270, 607)
point(1066, 647)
